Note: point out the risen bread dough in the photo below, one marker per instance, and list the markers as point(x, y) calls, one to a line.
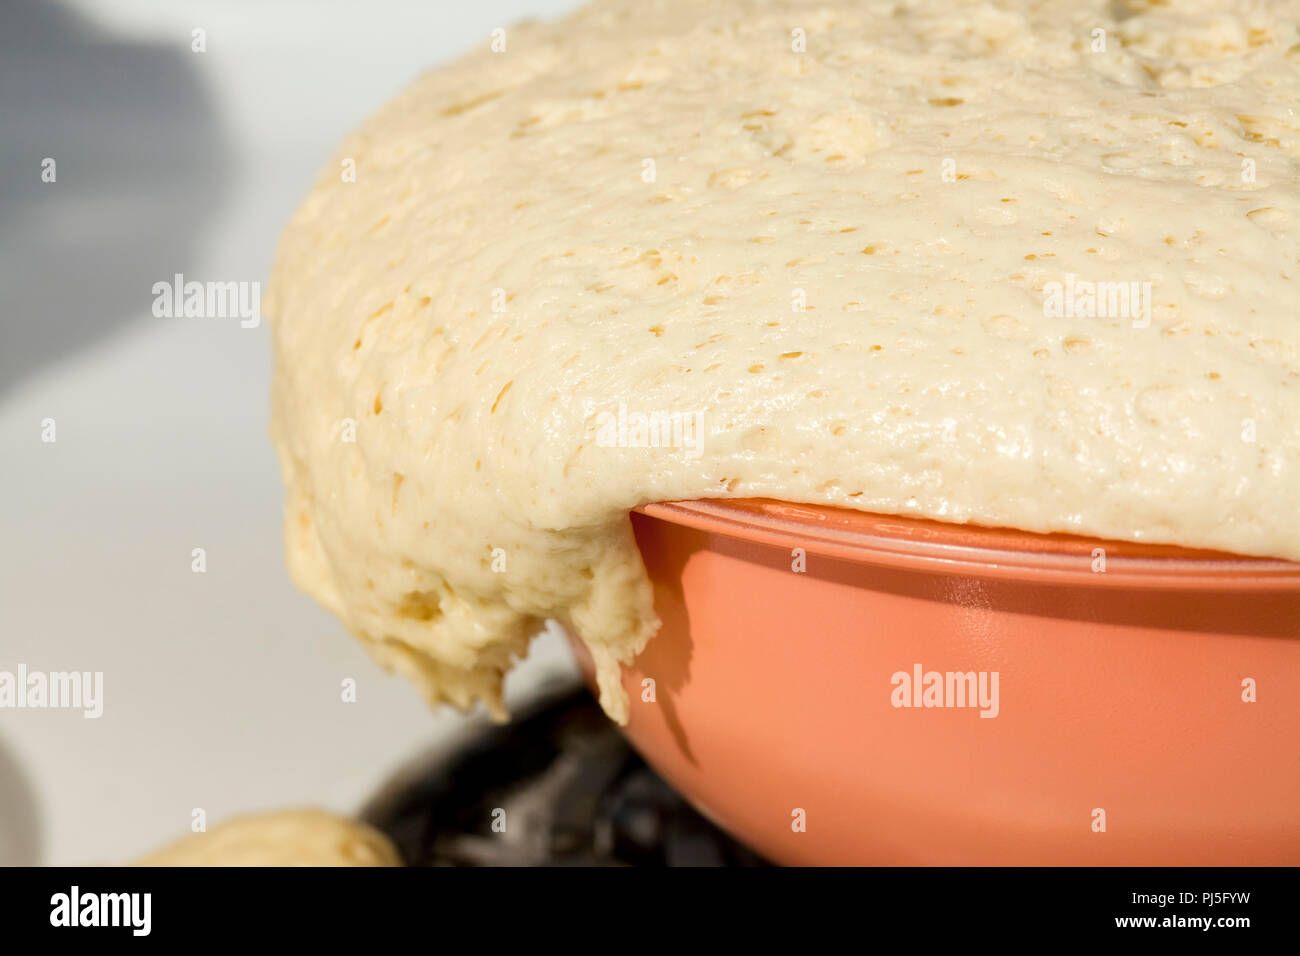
point(628, 209)
point(281, 838)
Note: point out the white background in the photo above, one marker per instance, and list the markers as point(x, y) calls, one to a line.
point(222, 690)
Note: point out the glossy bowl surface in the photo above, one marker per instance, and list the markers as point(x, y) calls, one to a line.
point(1113, 727)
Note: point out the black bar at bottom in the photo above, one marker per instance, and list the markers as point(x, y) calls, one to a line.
point(570, 906)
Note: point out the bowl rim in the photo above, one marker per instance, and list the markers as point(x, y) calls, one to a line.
point(974, 550)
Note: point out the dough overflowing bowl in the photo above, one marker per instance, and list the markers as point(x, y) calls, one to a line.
point(835, 687)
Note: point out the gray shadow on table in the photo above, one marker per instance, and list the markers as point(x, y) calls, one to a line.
point(140, 166)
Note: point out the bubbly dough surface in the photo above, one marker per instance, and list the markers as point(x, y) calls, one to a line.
point(281, 838)
point(628, 209)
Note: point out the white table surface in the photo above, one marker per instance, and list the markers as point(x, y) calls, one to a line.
point(221, 689)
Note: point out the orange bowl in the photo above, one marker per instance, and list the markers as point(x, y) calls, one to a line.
point(835, 687)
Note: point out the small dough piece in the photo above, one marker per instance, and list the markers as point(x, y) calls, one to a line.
point(281, 838)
